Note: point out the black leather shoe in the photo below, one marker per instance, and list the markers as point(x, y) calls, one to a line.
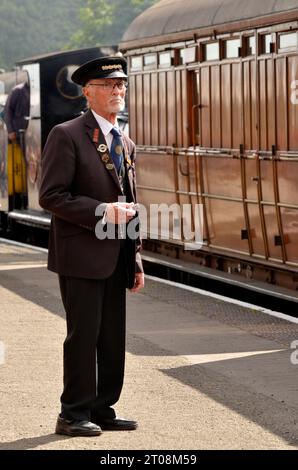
point(76, 428)
point(116, 424)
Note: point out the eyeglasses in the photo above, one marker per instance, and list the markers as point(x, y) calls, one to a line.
point(110, 86)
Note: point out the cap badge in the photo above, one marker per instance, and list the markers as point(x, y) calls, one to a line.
point(111, 67)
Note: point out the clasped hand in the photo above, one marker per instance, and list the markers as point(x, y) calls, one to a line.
point(120, 212)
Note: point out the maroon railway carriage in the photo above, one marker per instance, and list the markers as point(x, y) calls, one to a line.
point(213, 105)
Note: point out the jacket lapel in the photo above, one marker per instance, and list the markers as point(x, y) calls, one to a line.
point(99, 142)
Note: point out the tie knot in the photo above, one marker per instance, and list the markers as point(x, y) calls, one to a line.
point(115, 131)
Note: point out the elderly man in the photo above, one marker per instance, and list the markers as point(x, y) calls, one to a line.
point(87, 168)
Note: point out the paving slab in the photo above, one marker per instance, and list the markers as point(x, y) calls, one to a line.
point(197, 375)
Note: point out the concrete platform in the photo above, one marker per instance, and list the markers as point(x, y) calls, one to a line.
point(200, 373)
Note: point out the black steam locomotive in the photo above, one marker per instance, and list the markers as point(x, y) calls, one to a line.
point(54, 98)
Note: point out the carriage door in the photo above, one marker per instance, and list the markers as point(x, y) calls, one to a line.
point(274, 183)
point(188, 186)
point(286, 153)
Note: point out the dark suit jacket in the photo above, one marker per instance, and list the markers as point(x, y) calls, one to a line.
point(17, 108)
point(74, 182)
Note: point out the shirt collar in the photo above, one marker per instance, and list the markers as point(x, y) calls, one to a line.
point(104, 124)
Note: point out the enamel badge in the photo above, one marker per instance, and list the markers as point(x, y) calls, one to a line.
point(102, 148)
point(105, 158)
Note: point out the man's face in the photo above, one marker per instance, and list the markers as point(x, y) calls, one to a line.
point(106, 95)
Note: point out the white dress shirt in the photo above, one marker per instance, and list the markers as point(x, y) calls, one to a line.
point(106, 127)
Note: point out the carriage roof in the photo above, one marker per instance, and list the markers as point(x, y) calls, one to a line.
point(168, 17)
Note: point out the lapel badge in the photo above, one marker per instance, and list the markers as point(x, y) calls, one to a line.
point(105, 158)
point(102, 148)
point(109, 166)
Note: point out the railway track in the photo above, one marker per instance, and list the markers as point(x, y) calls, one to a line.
point(276, 299)
point(231, 286)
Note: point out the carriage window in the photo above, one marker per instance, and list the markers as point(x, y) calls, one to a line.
point(212, 51)
point(150, 60)
point(165, 59)
point(136, 63)
point(288, 41)
point(265, 44)
point(65, 85)
point(232, 48)
point(188, 55)
point(251, 45)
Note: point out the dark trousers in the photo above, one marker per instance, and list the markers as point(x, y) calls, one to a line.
point(94, 348)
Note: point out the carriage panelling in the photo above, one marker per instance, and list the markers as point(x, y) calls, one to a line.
point(272, 231)
point(139, 109)
point(226, 106)
point(267, 94)
point(251, 179)
point(164, 176)
point(288, 182)
point(150, 221)
point(185, 108)
point(293, 102)
point(256, 230)
point(215, 107)
point(193, 174)
point(147, 109)
point(179, 117)
point(154, 109)
point(226, 223)
point(290, 226)
point(237, 114)
point(222, 176)
point(267, 181)
point(161, 190)
point(254, 110)
point(205, 110)
point(132, 108)
point(271, 107)
point(281, 104)
point(171, 108)
point(247, 108)
point(183, 173)
point(163, 118)
point(159, 108)
point(263, 82)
